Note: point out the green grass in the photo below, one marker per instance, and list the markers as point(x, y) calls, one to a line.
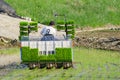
point(92, 64)
point(84, 12)
point(13, 50)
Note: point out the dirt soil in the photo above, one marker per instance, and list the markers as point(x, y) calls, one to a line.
point(6, 62)
point(9, 26)
point(108, 39)
point(9, 59)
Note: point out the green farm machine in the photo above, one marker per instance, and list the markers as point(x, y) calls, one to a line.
point(55, 53)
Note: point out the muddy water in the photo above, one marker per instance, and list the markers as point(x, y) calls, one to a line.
point(8, 59)
point(8, 63)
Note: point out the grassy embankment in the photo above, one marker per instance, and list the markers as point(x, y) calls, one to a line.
point(7, 51)
point(92, 65)
point(84, 12)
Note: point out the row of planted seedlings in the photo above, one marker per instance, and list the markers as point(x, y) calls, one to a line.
point(62, 57)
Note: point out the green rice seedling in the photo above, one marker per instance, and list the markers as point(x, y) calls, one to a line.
point(34, 54)
point(22, 23)
point(25, 54)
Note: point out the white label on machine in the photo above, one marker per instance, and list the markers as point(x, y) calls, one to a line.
point(49, 45)
point(58, 44)
point(66, 44)
point(41, 45)
point(33, 44)
point(24, 43)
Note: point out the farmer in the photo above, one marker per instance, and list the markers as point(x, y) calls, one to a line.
point(48, 32)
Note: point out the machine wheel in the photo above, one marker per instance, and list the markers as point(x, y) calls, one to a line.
point(49, 65)
point(38, 65)
point(67, 65)
point(42, 65)
point(58, 65)
point(31, 65)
